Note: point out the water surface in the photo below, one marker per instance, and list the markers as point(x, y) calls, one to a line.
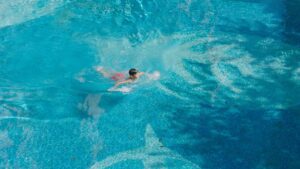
point(228, 96)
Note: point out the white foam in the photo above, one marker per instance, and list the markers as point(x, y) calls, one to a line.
point(160, 52)
point(277, 64)
point(14, 12)
point(296, 75)
point(153, 76)
point(122, 89)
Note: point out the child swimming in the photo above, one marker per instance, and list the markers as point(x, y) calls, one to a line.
point(119, 77)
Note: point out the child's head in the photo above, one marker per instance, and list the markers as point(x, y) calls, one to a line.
point(132, 73)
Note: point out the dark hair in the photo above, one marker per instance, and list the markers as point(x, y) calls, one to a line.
point(132, 72)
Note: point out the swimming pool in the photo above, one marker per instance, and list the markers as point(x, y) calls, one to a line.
point(228, 95)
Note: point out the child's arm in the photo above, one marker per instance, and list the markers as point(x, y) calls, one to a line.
point(140, 74)
point(120, 83)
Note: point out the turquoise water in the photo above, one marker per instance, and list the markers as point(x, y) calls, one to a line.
point(228, 95)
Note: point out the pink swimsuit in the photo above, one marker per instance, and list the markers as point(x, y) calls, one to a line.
point(118, 76)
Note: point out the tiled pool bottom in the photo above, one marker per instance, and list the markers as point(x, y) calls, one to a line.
point(227, 97)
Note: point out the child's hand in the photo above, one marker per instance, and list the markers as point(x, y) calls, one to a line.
point(99, 68)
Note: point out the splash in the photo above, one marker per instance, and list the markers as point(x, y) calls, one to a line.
point(232, 69)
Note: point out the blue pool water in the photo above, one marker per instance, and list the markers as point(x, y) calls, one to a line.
point(228, 95)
